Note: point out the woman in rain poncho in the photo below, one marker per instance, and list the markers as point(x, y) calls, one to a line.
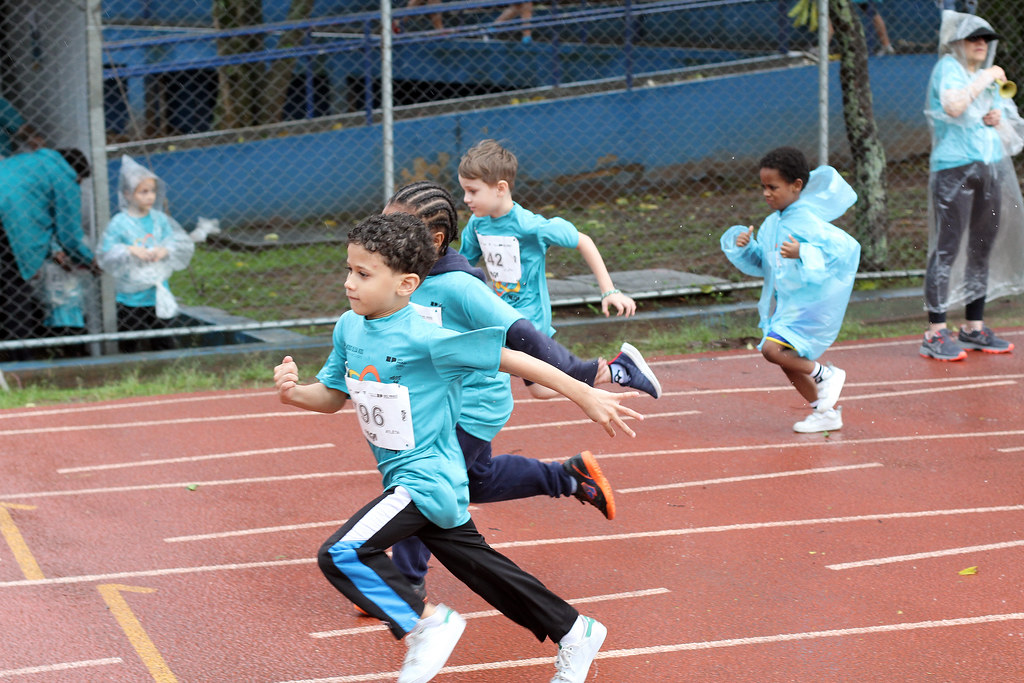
point(141, 247)
point(808, 266)
point(975, 213)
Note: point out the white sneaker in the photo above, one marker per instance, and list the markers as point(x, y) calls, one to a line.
point(573, 661)
point(430, 645)
point(821, 421)
point(829, 389)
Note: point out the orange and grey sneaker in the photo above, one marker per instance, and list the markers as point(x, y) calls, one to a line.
point(983, 340)
point(591, 486)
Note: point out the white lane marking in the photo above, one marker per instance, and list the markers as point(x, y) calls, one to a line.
point(187, 484)
point(586, 421)
point(924, 556)
point(63, 666)
point(253, 532)
point(928, 390)
point(153, 423)
point(661, 533)
point(748, 477)
point(700, 645)
point(817, 443)
point(192, 458)
point(1014, 449)
point(94, 407)
point(494, 613)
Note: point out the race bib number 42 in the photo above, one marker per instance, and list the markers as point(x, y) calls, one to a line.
point(501, 256)
point(384, 413)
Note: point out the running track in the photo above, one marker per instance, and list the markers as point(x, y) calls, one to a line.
point(172, 538)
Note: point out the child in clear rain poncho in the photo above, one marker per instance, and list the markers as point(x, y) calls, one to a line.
point(975, 213)
point(808, 266)
point(141, 247)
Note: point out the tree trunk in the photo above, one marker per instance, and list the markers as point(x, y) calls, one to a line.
point(871, 216)
point(281, 71)
point(238, 96)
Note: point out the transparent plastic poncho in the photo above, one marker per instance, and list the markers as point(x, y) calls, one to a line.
point(971, 254)
point(130, 273)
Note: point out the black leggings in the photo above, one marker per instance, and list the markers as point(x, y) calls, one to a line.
point(967, 199)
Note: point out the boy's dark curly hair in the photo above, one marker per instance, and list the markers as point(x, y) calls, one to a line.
point(789, 162)
point(401, 239)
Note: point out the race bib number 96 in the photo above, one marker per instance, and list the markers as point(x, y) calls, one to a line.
point(501, 257)
point(384, 413)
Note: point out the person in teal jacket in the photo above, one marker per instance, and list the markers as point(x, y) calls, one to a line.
point(808, 266)
point(41, 213)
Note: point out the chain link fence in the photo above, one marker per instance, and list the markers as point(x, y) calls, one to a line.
point(274, 125)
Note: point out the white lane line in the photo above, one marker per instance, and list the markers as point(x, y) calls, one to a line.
point(153, 423)
point(661, 533)
point(186, 484)
point(255, 531)
point(748, 477)
point(495, 613)
point(818, 443)
point(924, 556)
point(928, 390)
point(790, 523)
point(587, 421)
point(63, 666)
point(693, 646)
point(1014, 449)
point(93, 407)
point(193, 458)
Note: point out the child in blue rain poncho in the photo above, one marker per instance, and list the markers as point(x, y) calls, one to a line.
point(141, 247)
point(808, 266)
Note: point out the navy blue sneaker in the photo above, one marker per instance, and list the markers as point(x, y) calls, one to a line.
point(591, 485)
point(629, 369)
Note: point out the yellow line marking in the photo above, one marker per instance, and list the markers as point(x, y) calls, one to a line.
point(16, 542)
point(132, 628)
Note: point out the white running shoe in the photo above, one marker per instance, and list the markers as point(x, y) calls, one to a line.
point(829, 389)
point(430, 645)
point(821, 421)
point(573, 661)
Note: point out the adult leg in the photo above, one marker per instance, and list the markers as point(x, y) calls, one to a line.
point(518, 595)
point(981, 232)
point(952, 199)
point(354, 560)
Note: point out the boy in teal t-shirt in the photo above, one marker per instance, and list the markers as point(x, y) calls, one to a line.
point(404, 377)
point(513, 244)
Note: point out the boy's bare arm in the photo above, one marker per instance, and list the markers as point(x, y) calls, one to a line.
point(623, 304)
point(603, 407)
point(317, 397)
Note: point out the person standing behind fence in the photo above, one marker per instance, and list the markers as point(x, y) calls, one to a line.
point(514, 242)
point(41, 215)
point(140, 248)
point(522, 10)
point(15, 131)
point(975, 214)
point(808, 266)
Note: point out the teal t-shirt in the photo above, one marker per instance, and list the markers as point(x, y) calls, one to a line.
point(965, 139)
point(405, 376)
point(459, 301)
point(152, 230)
point(514, 247)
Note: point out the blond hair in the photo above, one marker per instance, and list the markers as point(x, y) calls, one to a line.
point(488, 161)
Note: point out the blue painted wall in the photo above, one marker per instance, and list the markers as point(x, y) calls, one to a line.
point(652, 134)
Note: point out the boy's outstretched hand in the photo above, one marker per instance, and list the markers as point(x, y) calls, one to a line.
point(790, 248)
point(606, 409)
point(624, 305)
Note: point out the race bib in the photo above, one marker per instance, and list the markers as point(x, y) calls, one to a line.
point(432, 314)
point(501, 258)
point(384, 413)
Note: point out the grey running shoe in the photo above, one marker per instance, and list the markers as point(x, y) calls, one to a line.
point(629, 369)
point(941, 346)
point(983, 340)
